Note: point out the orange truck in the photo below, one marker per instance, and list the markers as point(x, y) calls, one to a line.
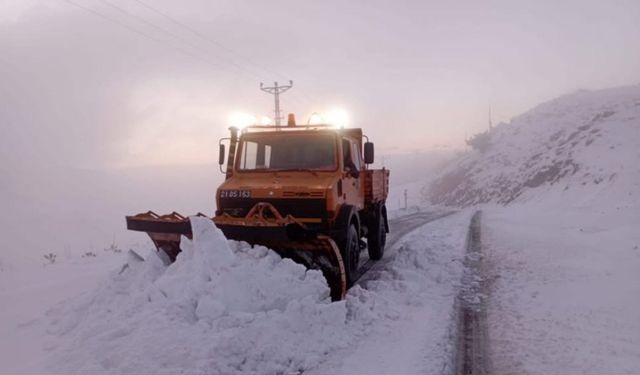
point(307, 192)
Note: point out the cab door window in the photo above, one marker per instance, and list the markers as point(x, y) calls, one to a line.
point(355, 155)
point(350, 158)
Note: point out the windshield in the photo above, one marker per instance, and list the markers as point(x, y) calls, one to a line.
point(288, 152)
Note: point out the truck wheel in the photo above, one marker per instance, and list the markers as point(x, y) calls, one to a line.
point(351, 254)
point(377, 237)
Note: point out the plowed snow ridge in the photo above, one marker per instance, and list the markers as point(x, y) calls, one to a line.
point(223, 308)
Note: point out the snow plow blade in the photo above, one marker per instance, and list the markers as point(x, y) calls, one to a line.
point(263, 226)
point(164, 230)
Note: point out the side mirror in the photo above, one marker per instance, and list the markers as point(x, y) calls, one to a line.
point(368, 152)
point(221, 154)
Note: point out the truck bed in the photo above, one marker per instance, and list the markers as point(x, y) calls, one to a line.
point(376, 185)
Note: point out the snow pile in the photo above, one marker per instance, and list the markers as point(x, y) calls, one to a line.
point(581, 145)
point(213, 311)
point(224, 308)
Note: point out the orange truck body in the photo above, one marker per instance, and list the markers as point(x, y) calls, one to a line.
point(322, 212)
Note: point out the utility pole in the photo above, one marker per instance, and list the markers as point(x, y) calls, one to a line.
point(276, 91)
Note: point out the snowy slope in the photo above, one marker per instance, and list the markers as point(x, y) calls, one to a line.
point(580, 146)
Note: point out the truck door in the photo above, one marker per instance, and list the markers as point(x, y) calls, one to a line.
point(352, 166)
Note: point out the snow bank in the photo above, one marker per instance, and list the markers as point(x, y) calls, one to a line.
point(214, 311)
point(224, 308)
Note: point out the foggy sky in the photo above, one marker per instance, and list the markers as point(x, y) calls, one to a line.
point(79, 90)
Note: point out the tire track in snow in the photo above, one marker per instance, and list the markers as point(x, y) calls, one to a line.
point(472, 352)
point(398, 228)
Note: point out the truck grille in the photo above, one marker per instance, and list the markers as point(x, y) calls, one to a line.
point(299, 208)
point(303, 194)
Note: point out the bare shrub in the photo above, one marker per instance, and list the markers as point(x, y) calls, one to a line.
point(113, 248)
point(51, 258)
point(480, 141)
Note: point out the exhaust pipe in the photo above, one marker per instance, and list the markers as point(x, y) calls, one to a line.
point(232, 151)
point(291, 120)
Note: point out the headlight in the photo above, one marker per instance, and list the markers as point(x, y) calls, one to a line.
point(241, 120)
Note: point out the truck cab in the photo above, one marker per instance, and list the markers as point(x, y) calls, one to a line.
point(306, 173)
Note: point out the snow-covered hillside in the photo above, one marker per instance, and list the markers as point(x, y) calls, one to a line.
point(581, 146)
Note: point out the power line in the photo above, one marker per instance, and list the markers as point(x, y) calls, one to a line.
point(143, 34)
point(87, 9)
point(205, 37)
point(178, 38)
point(218, 44)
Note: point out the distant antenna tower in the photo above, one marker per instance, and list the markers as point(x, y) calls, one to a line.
point(490, 120)
point(466, 141)
point(405, 200)
point(276, 91)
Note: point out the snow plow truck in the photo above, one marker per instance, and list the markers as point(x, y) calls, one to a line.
point(304, 191)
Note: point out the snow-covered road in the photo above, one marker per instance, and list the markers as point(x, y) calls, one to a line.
point(418, 281)
point(564, 289)
point(399, 227)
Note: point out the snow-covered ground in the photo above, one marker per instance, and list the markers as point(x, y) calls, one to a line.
point(25, 296)
point(50, 222)
point(565, 282)
point(562, 261)
point(223, 308)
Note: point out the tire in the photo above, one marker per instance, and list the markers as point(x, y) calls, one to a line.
point(350, 250)
point(377, 238)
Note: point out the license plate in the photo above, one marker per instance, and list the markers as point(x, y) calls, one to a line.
point(235, 193)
